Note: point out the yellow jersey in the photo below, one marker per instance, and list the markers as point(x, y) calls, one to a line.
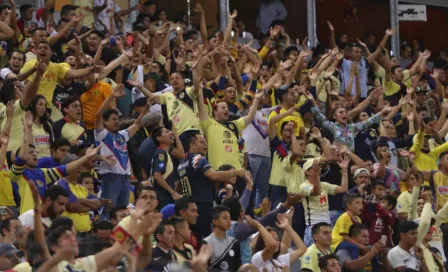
point(6, 193)
point(76, 191)
point(295, 118)
point(342, 227)
point(41, 141)
point(16, 135)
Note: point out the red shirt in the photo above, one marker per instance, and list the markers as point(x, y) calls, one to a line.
point(380, 223)
point(193, 241)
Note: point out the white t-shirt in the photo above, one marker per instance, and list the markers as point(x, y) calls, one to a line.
point(104, 15)
point(256, 136)
point(282, 260)
point(86, 264)
point(399, 257)
point(27, 219)
point(4, 72)
point(114, 145)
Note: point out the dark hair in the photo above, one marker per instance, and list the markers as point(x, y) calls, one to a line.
point(316, 228)
point(83, 176)
point(59, 142)
point(102, 225)
point(44, 120)
point(7, 91)
point(406, 226)
point(356, 229)
point(378, 183)
point(443, 154)
point(234, 205)
point(141, 17)
point(3, 7)
point(65, 10)
point(145, 188)
point(24, 7)
point(181, 204)
point(39, 29)
point(355, 45)
point(391, 200)
point(92, 245)
point(161, 228)
point(62, 222)
point(157, 132)
point(349, 198)
point(115, 209)
point(66, 102)
point(148, 3)
point(176, 221)
point(369, 34)
point(108, 113)
point(55, 234)
point(17, 51)
point(54, 192)
point(395, 67)
point(192, 138)
point(160, 11)
point(6, 224)
point(217, 210)
point(306, 270)
point(259, 246)
point(98, 33)
point(323, 260)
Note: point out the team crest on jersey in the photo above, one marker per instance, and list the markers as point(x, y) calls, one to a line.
point(224, 265)
point(175, 105)
point(231, 126)
point(189, 255)
point(226, 134)
point(161, 157)
point(39, 183)
point(181, 95)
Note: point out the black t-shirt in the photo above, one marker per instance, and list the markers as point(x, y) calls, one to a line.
point(107, 55)
point(161, 260)
point(59, 49)
point(334, 176)
point(192, 179)
point(62, 92)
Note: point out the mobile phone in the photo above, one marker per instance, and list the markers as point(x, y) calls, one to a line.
point(391, 52)
point(308, 43)
point(383, 239)
point(112, 40)
point(244, 34)
point(232, 33)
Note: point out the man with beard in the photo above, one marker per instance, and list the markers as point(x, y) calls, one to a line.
point(115, 178)
point(52, 206)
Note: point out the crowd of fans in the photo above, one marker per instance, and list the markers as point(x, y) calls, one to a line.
point(172, 147)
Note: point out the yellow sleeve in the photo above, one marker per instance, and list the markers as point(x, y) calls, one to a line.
point(438, 150)
point(16, 172)
point(62, 70)
point(406, 75)
point(418, 142)
point(425, 222)
point(161, 59)
point(28, 66)
point(286, 164)
point(52, 174)
point(305, 189)
point(343, 224)
point(442, 214)
point(330, 188)
point(412, 212)
point(402, 204)
point(206, 124)
point(391, 88)
point(240, 124)
point(191, 93)
point(263, 52)
point(309, 260)
point(162, 98)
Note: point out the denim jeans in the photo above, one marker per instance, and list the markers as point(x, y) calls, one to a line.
point(115, 187)
point(278, 195)
point(334, 215)
point(308, 239)
point(260, 168)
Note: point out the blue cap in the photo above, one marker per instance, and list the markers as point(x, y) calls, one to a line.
point(8, 249)
point(168, 211)
point(245, 78)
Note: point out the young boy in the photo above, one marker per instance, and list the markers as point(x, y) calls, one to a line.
point(183, 251)
point(354, 205)
point(382, 220)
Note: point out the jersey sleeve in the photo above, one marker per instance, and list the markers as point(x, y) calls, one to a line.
point(200, 164)
point(64, 184)
point(54, 174)
point(402, 204)
point(125, 134)
point(99, 136)
point(286, 164)
point(62, 70)
point(206, 124)
point(240, 124)
point(343, 224)
point(159, 161)
point(331, 188)
point(17, 168)
point(162, 98)
point(191, 92)
point(305, 189)
point(309, 260)
point(28, 66)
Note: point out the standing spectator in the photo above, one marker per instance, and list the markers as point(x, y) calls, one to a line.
point(26, 14)
point(115, 178)
point(226, 250)
point(353, 205)
point(320, 248)
point(42, 132)
point(198, 180)
point(70, 127)
point(270, 11)
point(407, 255)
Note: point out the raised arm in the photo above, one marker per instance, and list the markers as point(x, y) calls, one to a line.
point(138, 122)
point(273, 121)
point(270, 245)
point(253, 109)
point(344, 171)
point(118, 91)
point(228, 30)
point(203, 115)
point(284, 224)
point(6, 32)
point(64, 31)
point(332, 37)
point(32, 86)
point(203, 25)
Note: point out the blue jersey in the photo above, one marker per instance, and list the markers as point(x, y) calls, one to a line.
point(162, 163)
point(194, 183)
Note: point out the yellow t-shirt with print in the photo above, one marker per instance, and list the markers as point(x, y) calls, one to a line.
point(53, 73)
point(181, 109)
point(224, 141)
point(295, 118)
point(41, 141)
point(316, 207)
point(16, 134)
point(311, 257)
point(294, 175)
point(404, 202)
point(81, 220)
point(6, 194)
point(341, 227)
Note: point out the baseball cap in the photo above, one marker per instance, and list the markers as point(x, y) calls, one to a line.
point(381, 142)
point(308, 164)
point(68, 159)
point(8, 249)
point(167, 211)
point(361, 171)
